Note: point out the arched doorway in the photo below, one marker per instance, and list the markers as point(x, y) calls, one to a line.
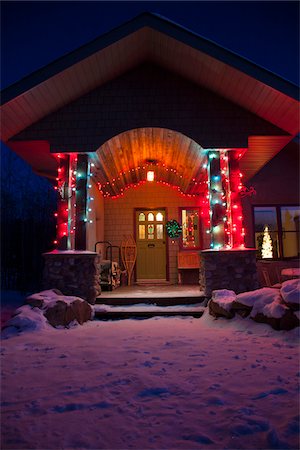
point(134, 205)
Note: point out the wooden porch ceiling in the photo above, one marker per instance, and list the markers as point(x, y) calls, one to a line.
point(123, 161)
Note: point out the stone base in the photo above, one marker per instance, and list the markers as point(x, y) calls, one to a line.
point(73, 273)
point(228, 269)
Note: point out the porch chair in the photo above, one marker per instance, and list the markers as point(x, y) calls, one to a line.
point(266, 278)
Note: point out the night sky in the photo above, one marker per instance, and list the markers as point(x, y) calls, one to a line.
point(35, 33)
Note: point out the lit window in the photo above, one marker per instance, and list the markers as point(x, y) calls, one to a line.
point(150, 231)
point(266, 225)
point(159, 217)
point(151, 217)
point(290, 217)
point(142, 217)
point(283, 227)
point(190, 228)
point(142, 232)
point(159, 231)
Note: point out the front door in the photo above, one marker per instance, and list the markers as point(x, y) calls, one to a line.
point(151, 244)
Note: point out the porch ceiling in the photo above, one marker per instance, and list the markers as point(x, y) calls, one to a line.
point(124, 160)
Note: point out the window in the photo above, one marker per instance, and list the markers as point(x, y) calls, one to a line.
point(266, 216)
point(142, 232)
point(150, 231)
point(290, 230)
point(190, 228)
point(281, 225)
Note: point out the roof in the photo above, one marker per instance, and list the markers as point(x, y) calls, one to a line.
point(149, 37)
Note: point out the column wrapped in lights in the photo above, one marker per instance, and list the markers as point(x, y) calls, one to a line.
point(216, 200)
point(81, 201)
point(224, 166)
point(89, 200)
point(235, 182)
point(72, 200)
point(62, 208)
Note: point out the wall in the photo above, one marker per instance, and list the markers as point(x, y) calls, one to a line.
point(119, 214)
point(95, 230)
point(148, 96)
point(277, 183)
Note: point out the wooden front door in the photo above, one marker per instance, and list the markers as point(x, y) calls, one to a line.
point(151, 244)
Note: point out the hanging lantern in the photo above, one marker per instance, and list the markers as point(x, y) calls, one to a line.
point(150, 175)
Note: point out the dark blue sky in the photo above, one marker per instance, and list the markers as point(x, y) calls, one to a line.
point(35, 33)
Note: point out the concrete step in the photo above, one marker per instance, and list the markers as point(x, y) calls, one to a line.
point(158, 300)
point(144, 311)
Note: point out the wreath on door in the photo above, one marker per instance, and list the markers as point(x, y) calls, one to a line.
point(173, 228)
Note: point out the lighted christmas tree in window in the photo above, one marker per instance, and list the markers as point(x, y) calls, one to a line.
point(267, 246)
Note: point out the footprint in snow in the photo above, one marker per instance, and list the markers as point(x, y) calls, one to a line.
point(250, 427)
point(278, 391)
point(199, 438)
point(154, 392)
point(215, 401)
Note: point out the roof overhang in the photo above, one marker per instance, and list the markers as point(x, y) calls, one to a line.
point(37, 154)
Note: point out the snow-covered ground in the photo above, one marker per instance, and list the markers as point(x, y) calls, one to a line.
point(161, 383)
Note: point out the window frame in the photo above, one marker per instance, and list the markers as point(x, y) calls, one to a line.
point(277, 207)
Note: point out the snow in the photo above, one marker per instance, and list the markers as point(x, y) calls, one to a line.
point(51, 296)
point(26, 319)
point(179, 383)
point(259, 296)
point(224, 298)
point(290, 291)
point(274, 309)
point(144, 307)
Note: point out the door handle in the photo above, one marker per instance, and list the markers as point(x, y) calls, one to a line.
point(151, 245)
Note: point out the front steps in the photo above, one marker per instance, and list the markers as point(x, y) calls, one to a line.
point(145, 311)
point(150, 300)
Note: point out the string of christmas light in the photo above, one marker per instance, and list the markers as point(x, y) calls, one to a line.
point(224, 167)
point(224, 188)
point(123, 181)
point(88, 212)
point(216, 200)
point(72, 200)
point(219, 197)
point(236, 186)
point(62, 210)
point(140, 183)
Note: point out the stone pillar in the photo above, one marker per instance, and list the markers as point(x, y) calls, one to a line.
point(73, 273)
point(233, 269)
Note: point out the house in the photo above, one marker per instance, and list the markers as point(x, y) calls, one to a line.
point(155, 132)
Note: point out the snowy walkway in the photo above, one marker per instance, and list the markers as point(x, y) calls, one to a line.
point(162, 383)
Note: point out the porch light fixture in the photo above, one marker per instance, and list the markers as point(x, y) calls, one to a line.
point(150, 175)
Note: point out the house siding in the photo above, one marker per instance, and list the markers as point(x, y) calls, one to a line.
point(277, 183)
point(148, 96)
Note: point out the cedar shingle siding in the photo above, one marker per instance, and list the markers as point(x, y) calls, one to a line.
point(148, 96)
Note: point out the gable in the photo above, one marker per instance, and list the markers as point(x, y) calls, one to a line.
point(152, 38)
point(148, 96)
